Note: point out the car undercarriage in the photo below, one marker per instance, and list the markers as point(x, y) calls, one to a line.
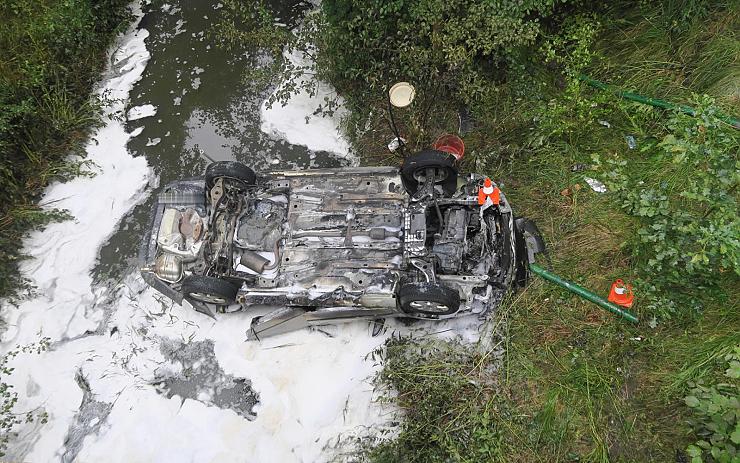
point(329, 245)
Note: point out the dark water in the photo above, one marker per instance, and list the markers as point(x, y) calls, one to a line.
point(204, 111)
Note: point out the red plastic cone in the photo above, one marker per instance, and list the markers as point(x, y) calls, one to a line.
point(489, 191)
point(621, 294)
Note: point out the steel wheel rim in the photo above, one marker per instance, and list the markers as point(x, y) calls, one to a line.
point(429, 306)
point(208, 298)
point(440, 174)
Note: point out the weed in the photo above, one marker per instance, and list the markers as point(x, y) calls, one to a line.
point(716, 419)
point(701, 56)
point(448, 394)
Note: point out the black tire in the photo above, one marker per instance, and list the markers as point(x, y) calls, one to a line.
point(428, 299)
point(209, 290)
point(414, 167)
point(229, 169)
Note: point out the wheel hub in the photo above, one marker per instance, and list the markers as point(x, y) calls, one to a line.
point(429, 306)
point(440, 174)
point(208, 298)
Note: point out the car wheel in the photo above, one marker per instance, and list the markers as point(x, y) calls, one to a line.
point(414, 170)
point(229, 169)
point(428, 299)
point(209, 290)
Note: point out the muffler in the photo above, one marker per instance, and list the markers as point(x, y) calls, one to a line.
point(253, 261)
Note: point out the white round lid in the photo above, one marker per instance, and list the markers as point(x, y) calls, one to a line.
point(401, 94)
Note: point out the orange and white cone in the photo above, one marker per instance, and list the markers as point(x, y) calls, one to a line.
point(489, 191)
point(621, 294)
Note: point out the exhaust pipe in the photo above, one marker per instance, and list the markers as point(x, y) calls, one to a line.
point(256, 262)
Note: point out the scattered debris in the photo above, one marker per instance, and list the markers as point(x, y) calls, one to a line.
point(580, 167)
point(631, 142)
point(395, 144)
point(595, 185)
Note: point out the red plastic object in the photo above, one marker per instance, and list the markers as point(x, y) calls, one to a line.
point(450, 144)
point(621, 294)
point(489, 191)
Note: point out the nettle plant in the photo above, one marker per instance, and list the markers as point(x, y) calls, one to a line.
point(716, 416)
point(687, 201)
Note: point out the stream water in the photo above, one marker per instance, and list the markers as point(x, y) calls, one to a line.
point(204, 112)
point(129, 376)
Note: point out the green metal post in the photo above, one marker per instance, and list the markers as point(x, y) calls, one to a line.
point(583, 292)
point(653, 101)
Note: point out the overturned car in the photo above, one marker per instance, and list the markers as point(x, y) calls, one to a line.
point(329, 245)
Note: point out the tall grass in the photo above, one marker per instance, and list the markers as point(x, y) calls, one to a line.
point(675, 49)
point(577, 384)
point(53, 53)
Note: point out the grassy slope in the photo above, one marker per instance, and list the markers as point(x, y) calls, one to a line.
point(580, 385)
point(52, 54)
point(614, 391)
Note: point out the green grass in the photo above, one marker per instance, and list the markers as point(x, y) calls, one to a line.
point(53, 53)
point(577, 384)
point(640, 54)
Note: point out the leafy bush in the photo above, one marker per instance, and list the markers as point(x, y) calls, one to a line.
point(687, 202)
point(572, 46)
point(459, 44)
point(53, 52)
point(570, 51)
point(717, 417)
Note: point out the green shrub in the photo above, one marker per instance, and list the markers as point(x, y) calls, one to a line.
point(53, 52)
point(716, 417)
point(686, 198)
point(459, 44)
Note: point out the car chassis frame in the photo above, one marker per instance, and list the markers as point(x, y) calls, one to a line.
point(349, 243)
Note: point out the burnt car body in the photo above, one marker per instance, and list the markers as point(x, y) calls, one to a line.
point(330, 245)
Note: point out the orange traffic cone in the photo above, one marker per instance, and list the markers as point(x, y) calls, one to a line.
point(489, 191)
point(621, 294)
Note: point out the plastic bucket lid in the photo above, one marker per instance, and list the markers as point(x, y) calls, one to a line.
point(450, 144)
point(401, 94)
